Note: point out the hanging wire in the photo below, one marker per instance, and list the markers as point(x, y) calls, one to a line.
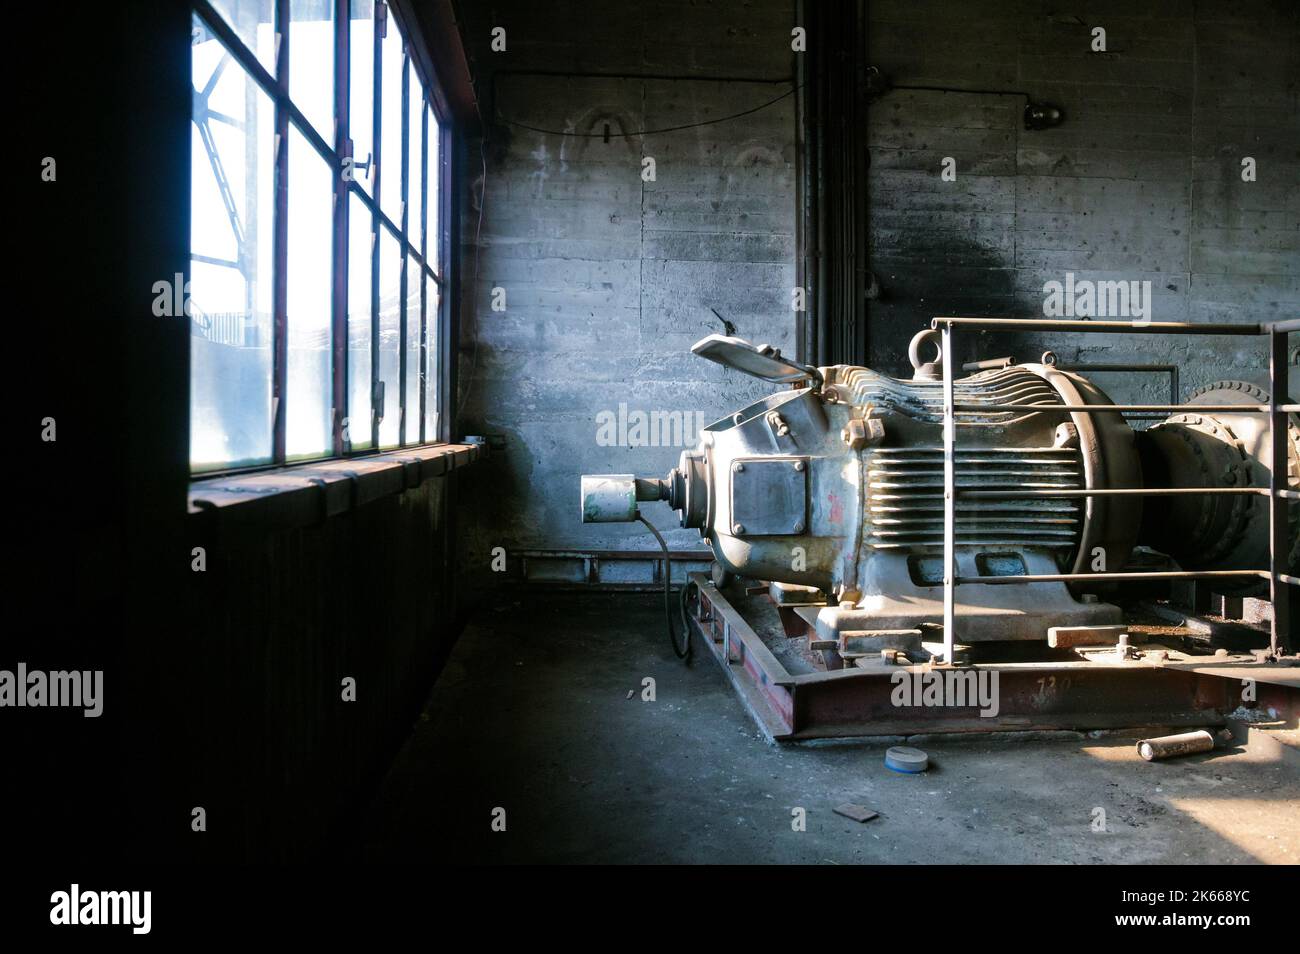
point(651, 132)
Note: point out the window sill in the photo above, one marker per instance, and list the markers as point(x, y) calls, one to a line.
point(305, 494)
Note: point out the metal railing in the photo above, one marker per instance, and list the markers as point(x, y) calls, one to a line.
point(1278, 493)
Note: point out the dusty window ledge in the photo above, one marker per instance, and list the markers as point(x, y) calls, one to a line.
point(304, 494)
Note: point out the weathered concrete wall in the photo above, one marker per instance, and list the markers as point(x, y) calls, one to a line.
point(609, 278)
point(1142, 181)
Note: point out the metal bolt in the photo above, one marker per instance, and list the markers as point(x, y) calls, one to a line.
point(855, 434)
point(798, 465)
point(738, 467)
point(798, 527)
point(737, 528)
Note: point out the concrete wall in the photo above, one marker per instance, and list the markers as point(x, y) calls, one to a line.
point(1140, 182)
point(609, 278)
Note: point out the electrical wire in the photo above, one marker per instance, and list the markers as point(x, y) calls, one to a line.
point(651, 132)
point(683, 652)
point(463, 397)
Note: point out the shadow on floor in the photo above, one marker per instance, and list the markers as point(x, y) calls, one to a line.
point(540, 712)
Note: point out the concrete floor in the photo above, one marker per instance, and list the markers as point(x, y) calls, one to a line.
point(539, 711)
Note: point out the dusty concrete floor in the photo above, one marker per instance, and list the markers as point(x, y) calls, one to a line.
point(539, 712)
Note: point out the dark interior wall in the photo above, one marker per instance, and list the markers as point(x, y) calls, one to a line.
point(283, 617)
point(610, 278)
point(222, 689)
point(1142, 180)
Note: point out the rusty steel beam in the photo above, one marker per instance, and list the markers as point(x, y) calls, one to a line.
point(856, 702)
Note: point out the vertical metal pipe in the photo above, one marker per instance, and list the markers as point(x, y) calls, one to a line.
point(342, 146)
point(377, 411)
point(817, 44)
point(404, 225)
point(280, 240)
point(949, 496)
point(861, 162)
point(1281, 638)
point(424, 257)
point(451, 160)
point(803, 272)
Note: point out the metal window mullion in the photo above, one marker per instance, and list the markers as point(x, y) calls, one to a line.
point(1281, 638)
point(448, 292)
point(339, 346)
point(424, 283)
point(406, 253)
point(280, 239)
point(274, 88)
point(949, 497)
point(376, 154)
point(394, 227)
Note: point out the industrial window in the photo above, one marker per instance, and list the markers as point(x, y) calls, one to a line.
point(317, 269)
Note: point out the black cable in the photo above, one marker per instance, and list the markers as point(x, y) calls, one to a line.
point(649, 132)
point(685, 652)
point(953, 89)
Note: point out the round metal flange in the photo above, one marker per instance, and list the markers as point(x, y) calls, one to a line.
point(1221, 449)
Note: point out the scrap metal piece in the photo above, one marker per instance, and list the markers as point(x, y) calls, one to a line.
point(859, 813)
point(1170, 746)
point(1068, 637)
point(869, 642)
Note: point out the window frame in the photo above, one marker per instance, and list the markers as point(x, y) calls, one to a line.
point(413, 238)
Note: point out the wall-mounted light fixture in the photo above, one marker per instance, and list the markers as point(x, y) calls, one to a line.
point(1037, 115)
point(1041, 115)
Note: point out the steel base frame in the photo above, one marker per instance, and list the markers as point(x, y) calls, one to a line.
point(1033, 697)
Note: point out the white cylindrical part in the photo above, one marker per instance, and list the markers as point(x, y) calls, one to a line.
point(608, 498)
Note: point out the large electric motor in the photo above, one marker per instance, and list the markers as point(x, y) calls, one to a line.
point(837, 484)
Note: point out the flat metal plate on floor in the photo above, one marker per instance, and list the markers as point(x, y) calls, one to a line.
point(859, 813)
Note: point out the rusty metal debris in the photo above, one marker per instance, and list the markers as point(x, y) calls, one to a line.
point(859, 813)
point(1172, 746)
